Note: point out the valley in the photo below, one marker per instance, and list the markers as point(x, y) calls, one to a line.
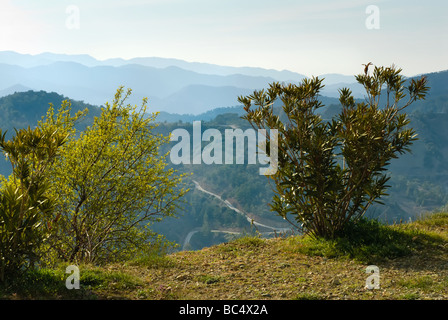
point(223, 155)
point(224, 201)
point(273, 230)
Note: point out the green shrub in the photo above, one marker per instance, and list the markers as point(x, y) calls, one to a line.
point(330, 172)
point(25, 206)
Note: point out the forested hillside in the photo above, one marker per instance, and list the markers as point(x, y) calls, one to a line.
point(23, 109)
point(418, 179)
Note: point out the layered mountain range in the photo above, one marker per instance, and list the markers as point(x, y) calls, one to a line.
point(171, 85)
point(184, 92)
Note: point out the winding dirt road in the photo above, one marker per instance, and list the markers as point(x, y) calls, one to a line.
point(230, 206)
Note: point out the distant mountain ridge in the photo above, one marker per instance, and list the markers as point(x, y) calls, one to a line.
point(13, 89)
point(27, 61)
point(172, 85)
point(96, 84)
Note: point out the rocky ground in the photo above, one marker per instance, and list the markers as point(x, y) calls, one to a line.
point(257, 269)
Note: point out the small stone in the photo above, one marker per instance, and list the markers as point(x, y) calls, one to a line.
point(335, 282)
point(182, 277)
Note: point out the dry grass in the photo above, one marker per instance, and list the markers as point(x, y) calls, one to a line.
point(281, 268)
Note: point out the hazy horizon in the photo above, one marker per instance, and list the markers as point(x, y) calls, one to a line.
point(322, 37)
point(201, 62)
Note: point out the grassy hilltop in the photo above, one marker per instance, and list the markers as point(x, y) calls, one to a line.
point(412, 259)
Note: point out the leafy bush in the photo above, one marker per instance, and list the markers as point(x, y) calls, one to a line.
point(112, 183)
point(25, 206)
point(330, 172)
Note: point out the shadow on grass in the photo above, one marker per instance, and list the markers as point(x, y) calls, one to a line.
point(41, 284)
point(50, 284)
point(370, 242)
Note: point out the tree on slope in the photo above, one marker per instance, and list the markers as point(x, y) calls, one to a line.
point(111, 182)
point(329, 173)
point(26, 204)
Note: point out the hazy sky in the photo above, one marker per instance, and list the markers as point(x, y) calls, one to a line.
point(309, 37)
